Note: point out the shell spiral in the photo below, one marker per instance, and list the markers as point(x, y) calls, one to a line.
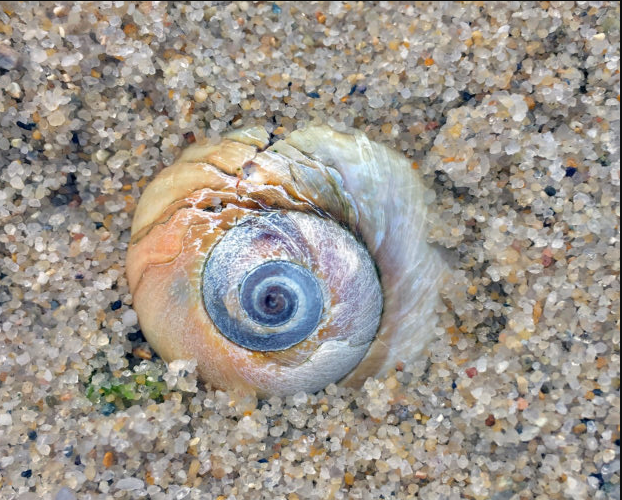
point(284, 267)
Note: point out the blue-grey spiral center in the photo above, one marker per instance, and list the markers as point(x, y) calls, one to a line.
point(269, 293)
point(281, 304)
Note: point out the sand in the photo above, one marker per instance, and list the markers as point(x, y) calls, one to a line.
point(510, 113)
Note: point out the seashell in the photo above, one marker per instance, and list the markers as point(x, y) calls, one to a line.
point(285, 267)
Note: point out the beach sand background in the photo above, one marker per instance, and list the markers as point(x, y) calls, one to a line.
point(510, 112)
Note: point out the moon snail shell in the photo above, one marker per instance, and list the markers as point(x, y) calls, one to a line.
point(285, 267)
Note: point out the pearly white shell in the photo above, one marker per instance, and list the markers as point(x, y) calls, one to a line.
point(362, 185)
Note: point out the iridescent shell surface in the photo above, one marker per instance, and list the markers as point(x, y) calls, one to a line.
point(346, 209)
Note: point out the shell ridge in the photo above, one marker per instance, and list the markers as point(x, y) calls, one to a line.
point(161, 193)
